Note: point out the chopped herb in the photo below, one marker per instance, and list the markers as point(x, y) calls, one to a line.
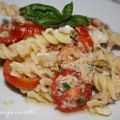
point(60, 68)
point(73, 38)
point(101, 30)
point(80, 101)
point(104, 45)
point(66, 86)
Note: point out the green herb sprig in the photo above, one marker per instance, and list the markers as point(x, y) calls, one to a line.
point(49, 16)
point(66, 86)
point(80, 101)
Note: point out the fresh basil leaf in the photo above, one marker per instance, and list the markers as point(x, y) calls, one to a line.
point(49, 21)
point(33, 7)
point(76, 20)
point(42, 14)
point(67, 11)
point(49, 16)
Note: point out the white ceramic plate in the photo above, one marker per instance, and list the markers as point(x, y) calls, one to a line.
point(20, 109)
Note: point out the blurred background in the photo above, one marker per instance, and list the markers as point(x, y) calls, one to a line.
point(116, 1)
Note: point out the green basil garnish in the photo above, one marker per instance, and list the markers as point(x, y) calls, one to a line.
point(67, 11)
point(41, 14)
point(80, 101)
point(66, 86)
point(76, 20)
point(49, 16)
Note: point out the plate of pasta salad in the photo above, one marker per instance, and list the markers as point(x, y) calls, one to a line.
point(59, 60)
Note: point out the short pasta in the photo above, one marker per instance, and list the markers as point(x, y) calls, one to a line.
point(33, 44)
point(9, 10)
point(16, 50)
point(30, 69)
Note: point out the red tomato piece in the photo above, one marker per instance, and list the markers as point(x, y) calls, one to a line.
point(21, 83)
point(28, 29)
point(85, 38)
point(70, 95)
point(13, 37)
point(19, 32)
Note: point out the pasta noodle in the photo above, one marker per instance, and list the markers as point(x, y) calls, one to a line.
point(105, 84)
point(57, 36)
point(16, 49)
point(35, 44)
point(114, 38)
point(42, 92)
point(44, 59)
point(29, 69)
point(101, 111)
point(9, 10)
point(45, 84)
point(36, 96)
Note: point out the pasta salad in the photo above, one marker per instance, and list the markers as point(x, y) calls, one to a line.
point(60, 58)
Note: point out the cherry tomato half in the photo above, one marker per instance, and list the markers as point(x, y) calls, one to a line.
point(19, 32)
point(70, 94)
point(21, 83)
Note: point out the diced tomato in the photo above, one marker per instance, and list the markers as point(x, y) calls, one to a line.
point(85, 38)
point(73, 97)
point(13, 37)
point(21, 83)
point(28, 29)
point(19, 32)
